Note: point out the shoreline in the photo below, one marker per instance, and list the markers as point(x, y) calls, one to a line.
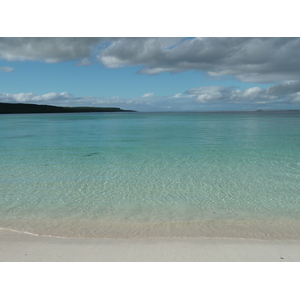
point(18, 247)
point(256, 229)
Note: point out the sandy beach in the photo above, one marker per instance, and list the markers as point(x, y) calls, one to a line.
point(15, 247)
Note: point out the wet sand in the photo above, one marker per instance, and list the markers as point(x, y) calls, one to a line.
point(16, 247)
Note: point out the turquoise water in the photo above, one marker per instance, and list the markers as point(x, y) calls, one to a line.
point(228, 174)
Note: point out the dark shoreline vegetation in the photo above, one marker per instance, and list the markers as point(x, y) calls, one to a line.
point(22, 108)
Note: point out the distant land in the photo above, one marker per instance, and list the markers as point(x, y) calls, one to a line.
point(22, 108)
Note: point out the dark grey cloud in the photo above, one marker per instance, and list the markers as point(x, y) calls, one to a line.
point(285, 89)
point(138, 51)
point(47, 49)
point(247, 59)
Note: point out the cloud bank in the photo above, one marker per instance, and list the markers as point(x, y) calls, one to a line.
point(257, 60)
point(50, 50)
point(246, 59)
point(192, 99)
point(282, 93)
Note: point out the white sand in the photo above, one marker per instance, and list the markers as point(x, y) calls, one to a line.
point(15, 247)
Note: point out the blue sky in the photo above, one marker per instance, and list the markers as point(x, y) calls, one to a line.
point(152, 74)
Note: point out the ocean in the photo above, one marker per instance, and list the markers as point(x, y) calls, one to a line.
point(180, 174)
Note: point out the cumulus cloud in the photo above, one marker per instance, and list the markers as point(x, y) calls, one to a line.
point(67, 99)
point(148, 95)
point(84, 62)
point(155, 103)
point(247, 59)
point(193, 99)
point(35, 98)
point(6, 69)
point(136, 51)
point(48, 49)
point(282, 93)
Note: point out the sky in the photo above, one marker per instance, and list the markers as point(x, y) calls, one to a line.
point(152, 74)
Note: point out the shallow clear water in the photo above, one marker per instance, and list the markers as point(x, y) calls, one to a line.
point(230, 174)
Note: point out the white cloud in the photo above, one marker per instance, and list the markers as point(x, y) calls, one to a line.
point(207, 97)
point(48, 50)
point(178, 95)
point(252, 92)
point(6, 69)
point(35, 98)
point(84, 62)
point(284, 93)
point(148, 95)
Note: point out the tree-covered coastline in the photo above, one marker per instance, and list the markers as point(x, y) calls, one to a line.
point(25, 108)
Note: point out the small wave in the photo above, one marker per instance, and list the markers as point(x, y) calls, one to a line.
point(30, 233)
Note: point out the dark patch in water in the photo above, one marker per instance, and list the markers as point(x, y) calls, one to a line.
point(91, 154)
point(130, 140)
point(20, 136)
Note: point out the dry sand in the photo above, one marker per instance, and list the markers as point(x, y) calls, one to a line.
point(16, 247)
